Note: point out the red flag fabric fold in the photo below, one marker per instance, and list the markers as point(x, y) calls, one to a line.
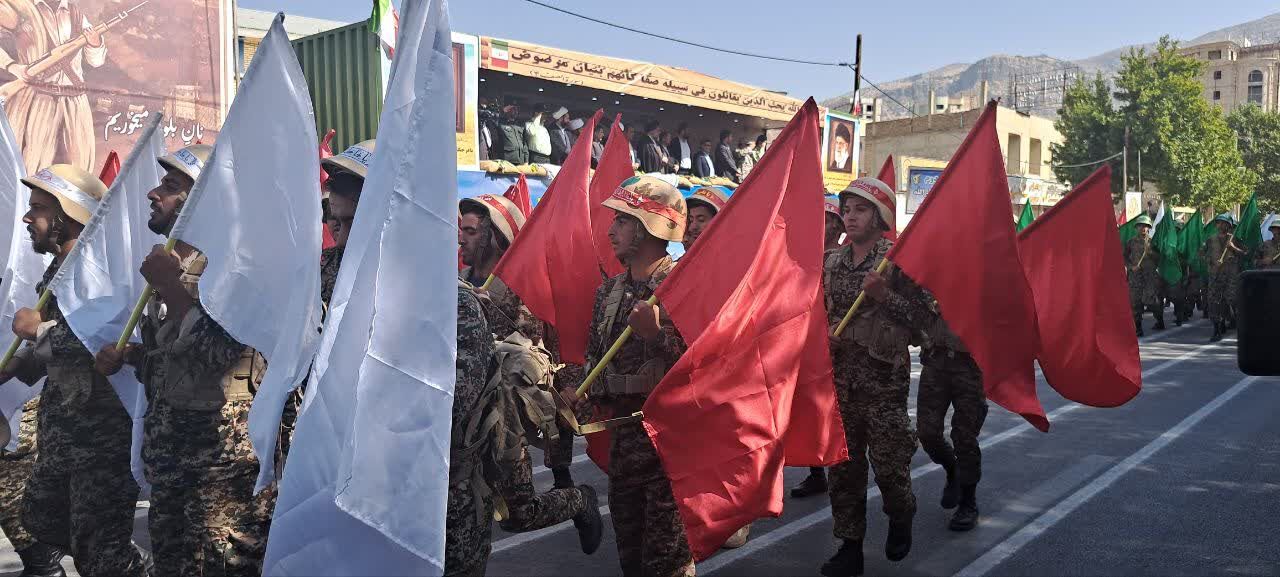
point(551, 265)
point(613, 168)
point(518, 194)
point(754, 390)
point(961, 246)
point(326, 242)
point(1071, 255)
point(110, 169)
point(889, 175)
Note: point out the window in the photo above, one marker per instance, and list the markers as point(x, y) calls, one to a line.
point(1217, 75)
point(1217, 95)
point(1255, 76)
point(1035, 157)
point(1014, 155)
point(1255, 94)
point(1215, 55)
point(940, 107)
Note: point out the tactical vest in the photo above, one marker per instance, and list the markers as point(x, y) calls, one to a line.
point(650, 373)
point(211, 392)
point(885, 340)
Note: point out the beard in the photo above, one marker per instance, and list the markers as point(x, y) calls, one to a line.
point(478, 251)
point(162, 224)
point(51, 241)
point(624, 252)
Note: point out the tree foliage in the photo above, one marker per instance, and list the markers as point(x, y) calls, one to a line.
point(1258, 134)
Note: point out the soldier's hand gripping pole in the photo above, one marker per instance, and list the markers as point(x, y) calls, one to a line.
point(143, 299)
point(884, 264)
point(608, 356)
point(1226, 248)
point(17, 341)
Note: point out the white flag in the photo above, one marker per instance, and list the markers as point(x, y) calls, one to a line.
point(366, 485)
point(1266, 227)
point(257, 219)
point(96, 289)
point(21, 269)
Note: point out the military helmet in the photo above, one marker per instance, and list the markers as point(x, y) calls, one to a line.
point(504, 213)
point(77, 191)
point(709, 196)
point(877, 193)
point(1274, 224)
point(1142, 220)
point(831, 204)
point(1227, 218)
point(655, 202)
point(355, 159)
point(189, 160)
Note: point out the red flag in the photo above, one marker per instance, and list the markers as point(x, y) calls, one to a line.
point(1071, 255)
point(613, 168)
point(552, 266)
point(326, 152)
point(754, 391)
point(518, 193)
point(110, 169)
point(889, 175)
point(972, 268)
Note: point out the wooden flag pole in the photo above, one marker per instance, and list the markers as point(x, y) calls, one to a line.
point(1226, 248)
point(608, 356)
point(884, 264)
point(17, 341)
point(487, 282)
point(143, 299)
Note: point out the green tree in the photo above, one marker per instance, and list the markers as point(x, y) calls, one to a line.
point(1258, 134)
point(1090, 129)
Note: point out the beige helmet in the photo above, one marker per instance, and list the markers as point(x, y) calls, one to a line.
point(656, 203)
point(355, 159)
point(504, 213)
point(708, 196)
point(77, 191)
point(189, 160)
point(878, 193)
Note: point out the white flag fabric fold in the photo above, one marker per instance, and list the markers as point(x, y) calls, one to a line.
point(256, 216)
point(366, 486)
point(1266, 226)
point(97, 288)
point(20, 267)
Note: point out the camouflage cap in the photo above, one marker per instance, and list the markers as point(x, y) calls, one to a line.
point(656, 203)
point(709, 196)
point(77, 191)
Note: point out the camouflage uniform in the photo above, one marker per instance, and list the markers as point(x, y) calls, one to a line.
point(81, 495)
point(650, 534)
point(468, 520)
point(15, 470)
point(1144, 278)
point(951, 378)
point(1269, 254)
point(330, 263)
point(872, 379)
point(204, 517)
point(1223, 278)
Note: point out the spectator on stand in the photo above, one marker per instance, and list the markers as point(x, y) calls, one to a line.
point(651, 154)
point(510, 142)
point(726, 166)
point(537, 138)
point(703, 165)
point(561, 139)
point(597, 145)
point(745, 156)
point(681, 150)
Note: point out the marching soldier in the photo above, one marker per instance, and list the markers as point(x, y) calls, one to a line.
point(38, 559)
point(81, 495)
point(872, 376)
point(1222, 257)
point(204, 517)
point(1269, 252)
point(1143, 262)
point(951, 378)
point(816, 482)
point(650, 533)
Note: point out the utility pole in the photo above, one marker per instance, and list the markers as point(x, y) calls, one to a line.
point(1139, 170)
point(855, 107)
point(1124, 174)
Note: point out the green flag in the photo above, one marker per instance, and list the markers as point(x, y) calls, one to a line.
point(1250, 230)
point(1129, 230)
point(1193, 237)
point(1165, 241)
point(1024, 220)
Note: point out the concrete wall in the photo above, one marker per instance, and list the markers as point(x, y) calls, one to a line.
point(1227, 66)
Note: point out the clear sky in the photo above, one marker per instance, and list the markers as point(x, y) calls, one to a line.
point(899, 38)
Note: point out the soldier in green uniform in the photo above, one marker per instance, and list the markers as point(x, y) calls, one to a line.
point(204, 518)
point(1269, 251)
point(38, 559)
point(872, 376)
point(1222, 257)
point(81, 495)
point(1143, 261)
point(650, 534)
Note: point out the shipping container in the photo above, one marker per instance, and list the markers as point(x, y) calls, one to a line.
point(343, 68)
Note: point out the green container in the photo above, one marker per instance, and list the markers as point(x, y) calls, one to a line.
point(343, 68)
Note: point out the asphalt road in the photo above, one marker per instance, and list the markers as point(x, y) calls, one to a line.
point(1184, 479)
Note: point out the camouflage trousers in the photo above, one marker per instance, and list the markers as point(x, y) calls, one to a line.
point(88, 513)
point(468, 536)
point(184, 543)
point(1221, 296)
point(947, 382)
point(527, 510)
point(646, 521)
point(15, 470)
point(873, 406)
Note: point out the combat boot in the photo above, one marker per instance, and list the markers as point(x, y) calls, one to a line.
point(589, 524)
point(42, 560)
point(1159, 313)
point(738, 538)
point(814, 484)
point(966, 517)
point(898, 544)
point(950, 492)
point(1137, 322)
point(1217, 332)
point(563, 479)
point(847, 562)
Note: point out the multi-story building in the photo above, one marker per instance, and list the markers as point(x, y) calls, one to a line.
point(1237, 74)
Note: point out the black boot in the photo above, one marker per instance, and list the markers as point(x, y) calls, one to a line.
point(814, 484)
point(1159, 313)
point(42, 560)
point(847, 562)
point(966, 517)
point(1137, 322)
point(898, 543)
point(951, 492)
point(589, 524)
point(563, 479)
point(1217, 332)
